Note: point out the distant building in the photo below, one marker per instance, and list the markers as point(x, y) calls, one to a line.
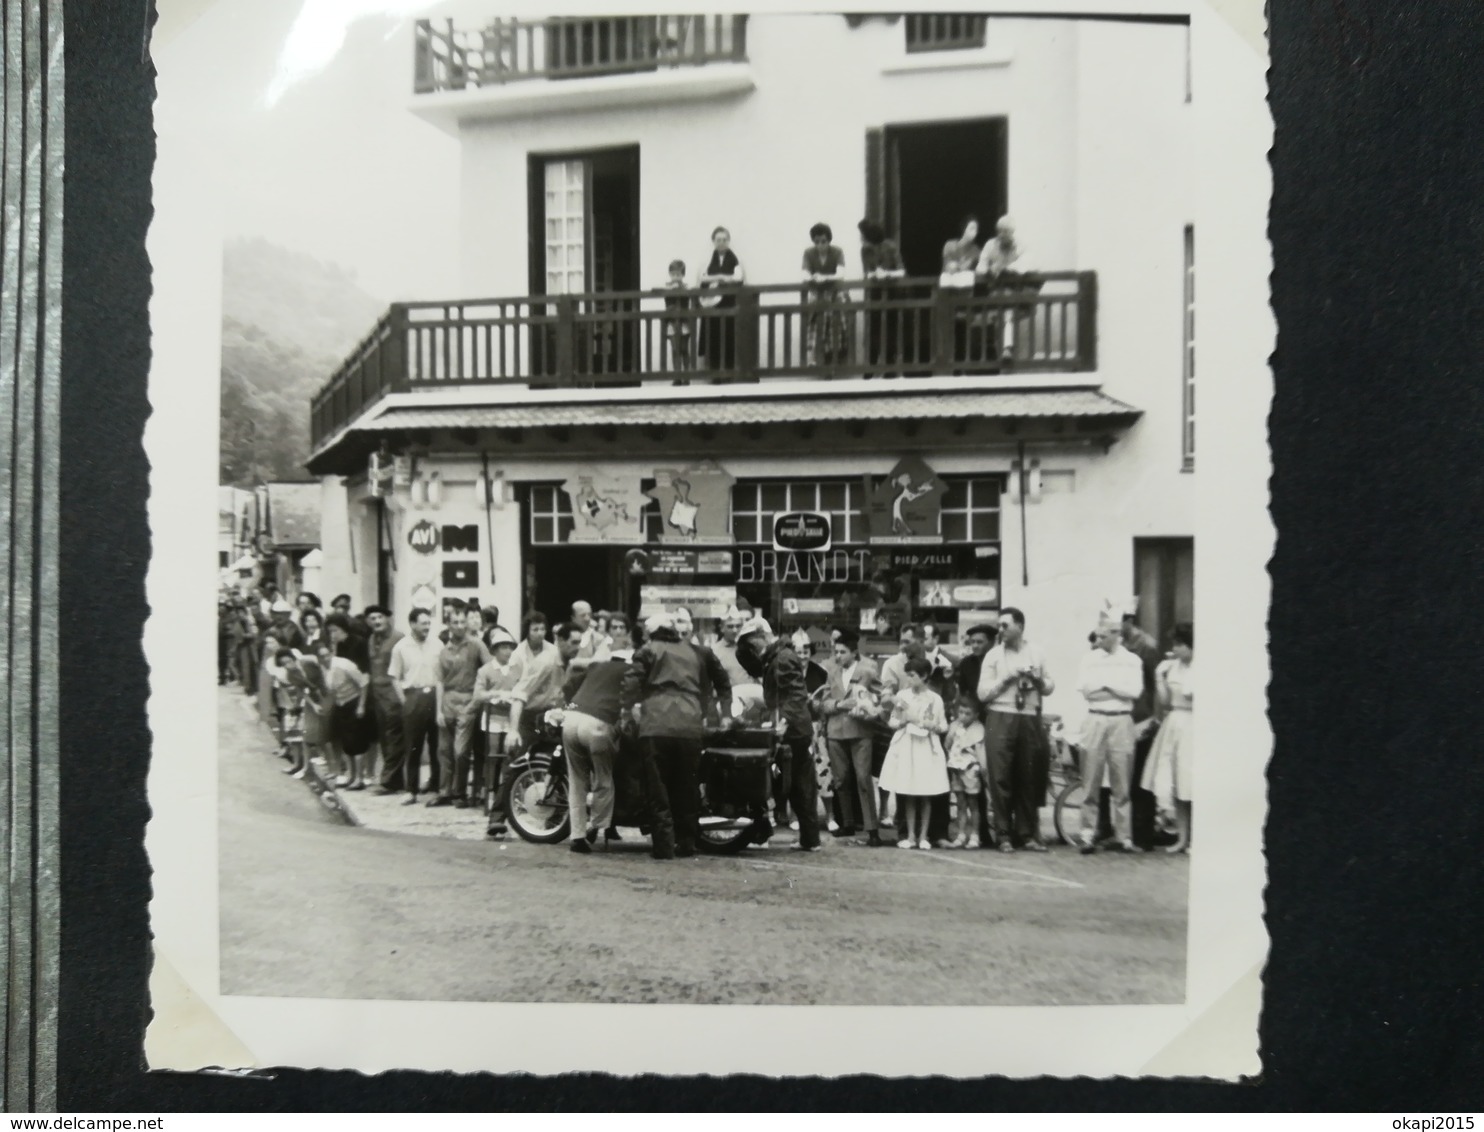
point(859, 455)
point(289, 530)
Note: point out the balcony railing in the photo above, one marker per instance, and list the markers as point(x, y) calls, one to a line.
point(570, 47)
point(1042, 323)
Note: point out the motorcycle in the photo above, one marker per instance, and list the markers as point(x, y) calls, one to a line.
point(736, 780)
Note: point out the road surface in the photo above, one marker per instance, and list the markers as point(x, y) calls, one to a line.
point(312, 907)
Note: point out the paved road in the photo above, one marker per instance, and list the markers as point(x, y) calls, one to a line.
point(315, 908)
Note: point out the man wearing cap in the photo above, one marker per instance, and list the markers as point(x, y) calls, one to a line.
point(541, 687)
point(590, 736)
point(787, 697)
point(492, 688)
point(726, 646)
point(386, 706)
point(413, 670)
point(848, 703)
point(1012, 683)
point(665, 691)
point(1111, 679)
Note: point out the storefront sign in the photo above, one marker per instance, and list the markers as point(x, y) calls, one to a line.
point(672, 561)
point(462, 575)
point(801, 531)
point(665, 561)
point(606, 505)
point(759, 565)
point(806, 606)
point(714, 562)
point(379, 475)
point(903, 508)
point(954, 593)
point(695, 502)
point(423, 537)
point(702, 601)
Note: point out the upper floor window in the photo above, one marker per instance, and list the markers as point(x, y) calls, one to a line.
point(1187, 382)
point(944, 31)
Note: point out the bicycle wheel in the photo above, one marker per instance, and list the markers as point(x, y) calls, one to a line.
point(1066, 814)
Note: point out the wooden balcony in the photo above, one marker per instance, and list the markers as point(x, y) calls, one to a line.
point(569, 47)
point(1045, 323)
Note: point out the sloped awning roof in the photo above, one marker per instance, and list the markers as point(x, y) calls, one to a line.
point(1024, 403)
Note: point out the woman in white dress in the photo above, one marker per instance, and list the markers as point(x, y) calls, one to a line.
point(916, 768)
point(1168, 769)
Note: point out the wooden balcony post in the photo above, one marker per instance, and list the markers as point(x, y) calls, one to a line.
point(746, 331)
point(1087, 321)
point(944, 311)
point(566, 335)
point(396, 373)
point(739, 39)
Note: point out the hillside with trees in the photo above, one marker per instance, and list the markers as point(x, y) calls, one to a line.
point(288, 320)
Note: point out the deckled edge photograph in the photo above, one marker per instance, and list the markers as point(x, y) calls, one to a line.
point(1213, 1033)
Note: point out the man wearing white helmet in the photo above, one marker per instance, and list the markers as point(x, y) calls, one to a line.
point(492, 688)
point(667, 691)
point(781, 671)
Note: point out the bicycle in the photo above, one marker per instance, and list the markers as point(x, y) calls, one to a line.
point(1066, 785)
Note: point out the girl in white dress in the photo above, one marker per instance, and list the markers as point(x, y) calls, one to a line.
point(916, 769)
point(1167, 771)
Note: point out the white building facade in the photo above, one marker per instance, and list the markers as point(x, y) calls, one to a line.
point(541, 443)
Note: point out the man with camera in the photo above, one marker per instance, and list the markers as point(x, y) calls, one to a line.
point(1012, 683)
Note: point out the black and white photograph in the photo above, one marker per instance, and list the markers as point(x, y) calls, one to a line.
point(711, 522)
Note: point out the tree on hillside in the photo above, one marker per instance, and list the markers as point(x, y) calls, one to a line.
point(288, 320)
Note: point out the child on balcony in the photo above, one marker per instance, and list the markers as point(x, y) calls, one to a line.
point(679, 330)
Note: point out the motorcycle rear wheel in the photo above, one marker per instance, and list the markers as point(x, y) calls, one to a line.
point(537, 808)
point(722, 837)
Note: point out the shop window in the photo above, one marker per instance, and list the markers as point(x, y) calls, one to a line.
point(550, 514)
point(970, 510)
point(755, 504)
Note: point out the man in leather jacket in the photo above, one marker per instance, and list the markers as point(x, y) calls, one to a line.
point(782, 675)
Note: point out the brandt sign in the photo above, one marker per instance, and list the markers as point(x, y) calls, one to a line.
point(801, 531)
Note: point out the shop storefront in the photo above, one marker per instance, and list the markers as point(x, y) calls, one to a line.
point(867, 553)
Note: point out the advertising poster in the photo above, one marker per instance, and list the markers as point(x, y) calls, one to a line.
point(696, 503)
point(904, 506)
point(702, 601)
point(607, 505)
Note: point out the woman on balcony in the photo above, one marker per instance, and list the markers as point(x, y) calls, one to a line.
point(960, 258)
point(721, 276)
point(824, 271)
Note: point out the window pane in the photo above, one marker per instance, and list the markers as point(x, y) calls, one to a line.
point(955, 526)
point(957, 495)
point(986, 526)
point(540, 529)
point(774, 497)
point(744, 528)
point(564, 527)
point(832, 497)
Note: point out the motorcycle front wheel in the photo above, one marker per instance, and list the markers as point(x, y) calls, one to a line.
point(536, 806)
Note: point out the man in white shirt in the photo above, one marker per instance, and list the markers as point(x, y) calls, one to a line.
point(726, 647)
point(1111, 679)
point(1012, 682)
point(413, 671)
